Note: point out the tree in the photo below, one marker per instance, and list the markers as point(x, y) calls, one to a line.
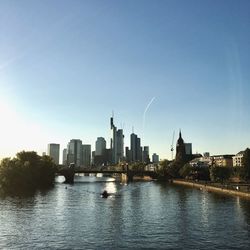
point(26, 171)
point(245, 171)
point(185, 170)
point(220, 174)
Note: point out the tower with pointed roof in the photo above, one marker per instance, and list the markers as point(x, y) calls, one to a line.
point(180, 149)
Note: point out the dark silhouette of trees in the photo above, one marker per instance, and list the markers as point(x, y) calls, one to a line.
point(220, 174)
point(245, 171)
point(194, 172)
point(26, 171)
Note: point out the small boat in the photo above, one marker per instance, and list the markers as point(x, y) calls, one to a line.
point(105, 194)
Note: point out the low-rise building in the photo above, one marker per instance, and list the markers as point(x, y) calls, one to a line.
point(223, 160)
point(237, 159)
point(155, 158)
point(202, 162)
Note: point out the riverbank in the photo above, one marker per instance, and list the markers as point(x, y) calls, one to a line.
point(226, 189)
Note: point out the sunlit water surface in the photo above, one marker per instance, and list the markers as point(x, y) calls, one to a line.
point(139, 215)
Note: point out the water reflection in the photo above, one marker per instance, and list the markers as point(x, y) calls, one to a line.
point(139, 215)
point(110, 186)
point(245, 208)
point(204, 209)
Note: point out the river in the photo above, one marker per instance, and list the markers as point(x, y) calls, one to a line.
point(140, 215)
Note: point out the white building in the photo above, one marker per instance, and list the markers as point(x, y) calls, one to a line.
point(100, 146)
point(201, 162)
point(54, 151)
point(237, 159)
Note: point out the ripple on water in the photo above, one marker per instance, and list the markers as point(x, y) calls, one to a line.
point(139, 215)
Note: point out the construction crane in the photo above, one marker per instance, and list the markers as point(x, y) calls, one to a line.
point(172, 146)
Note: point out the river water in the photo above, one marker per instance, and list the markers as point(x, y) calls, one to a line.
point(140, 215)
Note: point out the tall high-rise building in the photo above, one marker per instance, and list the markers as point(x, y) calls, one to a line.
point(113, 141)
point(120, 145)
point(128, 154)
point(74, 152)
point(54, 151)
point(86, 155)
point(116, 143)
point(133, 147)
point(100, 146)
point(64, 158)
point(139, 149)
point(145, 154)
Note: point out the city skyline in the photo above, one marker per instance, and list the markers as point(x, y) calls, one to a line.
point(160, 65)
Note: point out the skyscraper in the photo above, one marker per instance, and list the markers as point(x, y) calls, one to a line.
point(100, 146)
point(138, 150)
point(145, 154)
point(64, 159)
point(113, 141)
point(119, 145)
point(128, 154)
point(86, 155)
point(116, 143)
point(54, 151)
point(133, 147)
point(74, 152)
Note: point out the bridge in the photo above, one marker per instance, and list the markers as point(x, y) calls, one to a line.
point(126, 175)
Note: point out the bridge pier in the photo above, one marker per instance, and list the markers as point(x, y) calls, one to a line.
point(127, 177)
point(68, 174)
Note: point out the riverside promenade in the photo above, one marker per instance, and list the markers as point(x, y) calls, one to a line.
point(238, 189)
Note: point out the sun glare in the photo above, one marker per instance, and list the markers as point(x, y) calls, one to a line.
point(17, 132)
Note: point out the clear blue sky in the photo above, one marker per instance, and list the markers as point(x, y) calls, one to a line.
point(65, 65)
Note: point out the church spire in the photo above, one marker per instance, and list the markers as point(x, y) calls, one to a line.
point(180, 133)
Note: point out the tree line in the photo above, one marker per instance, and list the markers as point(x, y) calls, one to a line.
point(26, 171)
point(180, 169)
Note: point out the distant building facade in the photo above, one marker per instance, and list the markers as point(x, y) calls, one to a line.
point(86, 155)
point(180, 149)
point(184, 151)
point(237, 159)
point(188, 148)
point(128, 154)
point(206, 154)
point(116, 143)
point(64, 158)
point(74, 152)
point(155, 158)
point(145, 154)
point(135, 148)
point(223, 160)
point(100, 146)
point(54, 151)
point(120, 145)
point(202, 162)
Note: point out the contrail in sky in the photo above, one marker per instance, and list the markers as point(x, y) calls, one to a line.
point(144, 115)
